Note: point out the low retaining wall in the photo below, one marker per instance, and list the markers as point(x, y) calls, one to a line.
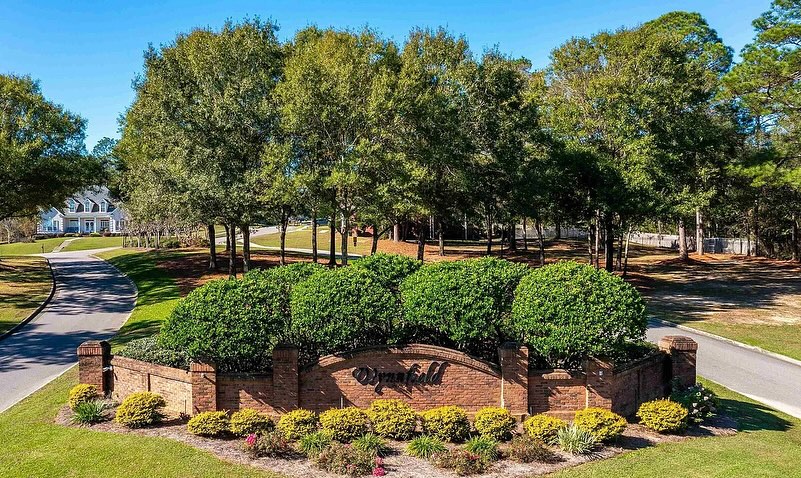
point(424, 376)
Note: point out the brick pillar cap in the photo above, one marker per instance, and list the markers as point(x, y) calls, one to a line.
point(677, 342)
point(93, 347)
point(202, 367)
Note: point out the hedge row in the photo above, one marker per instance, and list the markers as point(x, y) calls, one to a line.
point(563, 312)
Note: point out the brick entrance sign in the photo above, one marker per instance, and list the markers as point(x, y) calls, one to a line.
point(425, 376)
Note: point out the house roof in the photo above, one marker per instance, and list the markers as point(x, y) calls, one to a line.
point(96, 195)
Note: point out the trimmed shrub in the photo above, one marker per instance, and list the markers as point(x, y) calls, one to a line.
point(525, 449)
point(392, 418)
point(602, 424)
point(460, 304)
point(544, 427)
point(297, 423)
point(700, 402)
point(344, 424)
point(388, 269)
point(170, 243)
point(373, 444)
point(140, 409)
point(82, 393)
point(148, 349)
point(663, 416)
point(494, 422)
point(247, 421)
point(94, 234)
point(575, 440)
point(345, 460)
point(208, 424)
point(272, 444)
point(462, 462)
point(338, 310)
point(449, 423)
point(425, 446)
point(87, 413)
point(485, 447)
point(568, 311)
point(312, 444)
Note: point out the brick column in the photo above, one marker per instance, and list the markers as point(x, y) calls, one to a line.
point(514, 378)
point(286, 379)
point(600, 383)
point(682, 351)
point(204, 387)
point(93, 357)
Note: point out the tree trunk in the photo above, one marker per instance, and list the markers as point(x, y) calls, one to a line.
point(558, 232)
point(345, 236)
point(747, 238)
point(619, 265)
point(540, 241)
point(314, 235)
point(525, 236)
point(512, 237)
point(227, 237)
point(396, 232)
point(610, 242)
point(590, 239)
point(421, 241)
point(699, 231)
point(794, 239)
point(245, 247)
point(440, 238)
point(232, 251)
point(597, 239)
point(489, 234)
point(332, 241)
point(283, 226)
point(466, 230)
point(212, 248)
point(683, 254)
point(374, 244)
point(626, 253)
point(757, 230)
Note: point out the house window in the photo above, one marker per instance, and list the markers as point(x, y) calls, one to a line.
point(103, 206)
point(103, 225)
point(87, 206)
point(71, 204)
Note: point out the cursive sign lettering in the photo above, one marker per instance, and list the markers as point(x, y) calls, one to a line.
point(413, 376)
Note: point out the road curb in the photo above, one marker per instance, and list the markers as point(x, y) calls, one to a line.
point(752, 348)
point(41, 306)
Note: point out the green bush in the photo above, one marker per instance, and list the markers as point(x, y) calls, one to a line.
point(271, 444)
point(494, 422)
point(543, 427)
point(170, 243)
point(392, 418)
point(373, 444)
point(485, 447)
point(526, 449)
point(602, 424)
point(567, 311)
point(140, 409)
point(247, 421)
point(94, 234)
point(209, 424)
point(388, 269)
point(462, 462)
point(700, 402)
point(575, 440)
point(663, 416)
point(87, 413)
point(340, 309)
point(447, 423)
point(82, 393)
point(460, 304)
point(312, 444)
point(345, 424)
point(345, 460)
point(297, 423)
point(148, 349)
point(425, 446)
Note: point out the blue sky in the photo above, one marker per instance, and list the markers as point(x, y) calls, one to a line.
point(85, 54)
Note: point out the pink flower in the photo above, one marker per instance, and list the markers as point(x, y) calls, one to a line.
point(379, 471)
point(251, 439)
point(379, 462)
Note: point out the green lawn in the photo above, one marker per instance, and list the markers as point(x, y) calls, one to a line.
point(301, 239)
point(25, 283)
point(36, 247)
point(87, 243)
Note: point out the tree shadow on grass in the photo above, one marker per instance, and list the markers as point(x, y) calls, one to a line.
point(754, 416)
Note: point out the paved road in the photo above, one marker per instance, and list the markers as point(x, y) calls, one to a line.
point(92, 301)
point(772, 381)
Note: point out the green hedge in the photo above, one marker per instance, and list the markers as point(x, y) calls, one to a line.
point(388, 269)
point(567, 311)
point(461, 304)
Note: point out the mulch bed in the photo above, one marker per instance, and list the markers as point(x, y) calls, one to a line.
point(398, 464)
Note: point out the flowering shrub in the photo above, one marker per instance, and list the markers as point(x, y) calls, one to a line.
point(345, 424)
point(392, 418)
point(346, 460)
point(297, 423)
point(272, 444)
point(447, 423)
point(379, 470)
point(526, 449)
point(700, 402)
point(602, 424)
point(663, 416)
point(544, 427)
point(483, 446)
point(462, 462)
point(494, 422)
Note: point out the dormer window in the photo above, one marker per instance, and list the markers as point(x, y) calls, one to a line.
point(71, 205)
point(87, 206)
point(104, 206)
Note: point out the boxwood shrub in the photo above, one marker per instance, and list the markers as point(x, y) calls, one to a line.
point(209, 424)
point(338, 310)
point(567, 311)
point(460, 304)
point(344, 424)
point(663, 416)
point(149, 349)
point(449, 423)
point(602, 424)
point(140, 409)
point(494, 422)
point(392, 418)
point(389, 269)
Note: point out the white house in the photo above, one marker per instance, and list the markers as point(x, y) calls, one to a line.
point(90, 211)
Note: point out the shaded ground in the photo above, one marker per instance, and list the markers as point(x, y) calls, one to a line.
point(25, 283)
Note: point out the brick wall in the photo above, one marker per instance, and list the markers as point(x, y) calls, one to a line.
point(424, 376)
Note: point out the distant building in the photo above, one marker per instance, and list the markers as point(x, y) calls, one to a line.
point(89, 211)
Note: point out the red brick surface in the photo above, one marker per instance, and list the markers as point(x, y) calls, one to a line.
point(173, 384)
